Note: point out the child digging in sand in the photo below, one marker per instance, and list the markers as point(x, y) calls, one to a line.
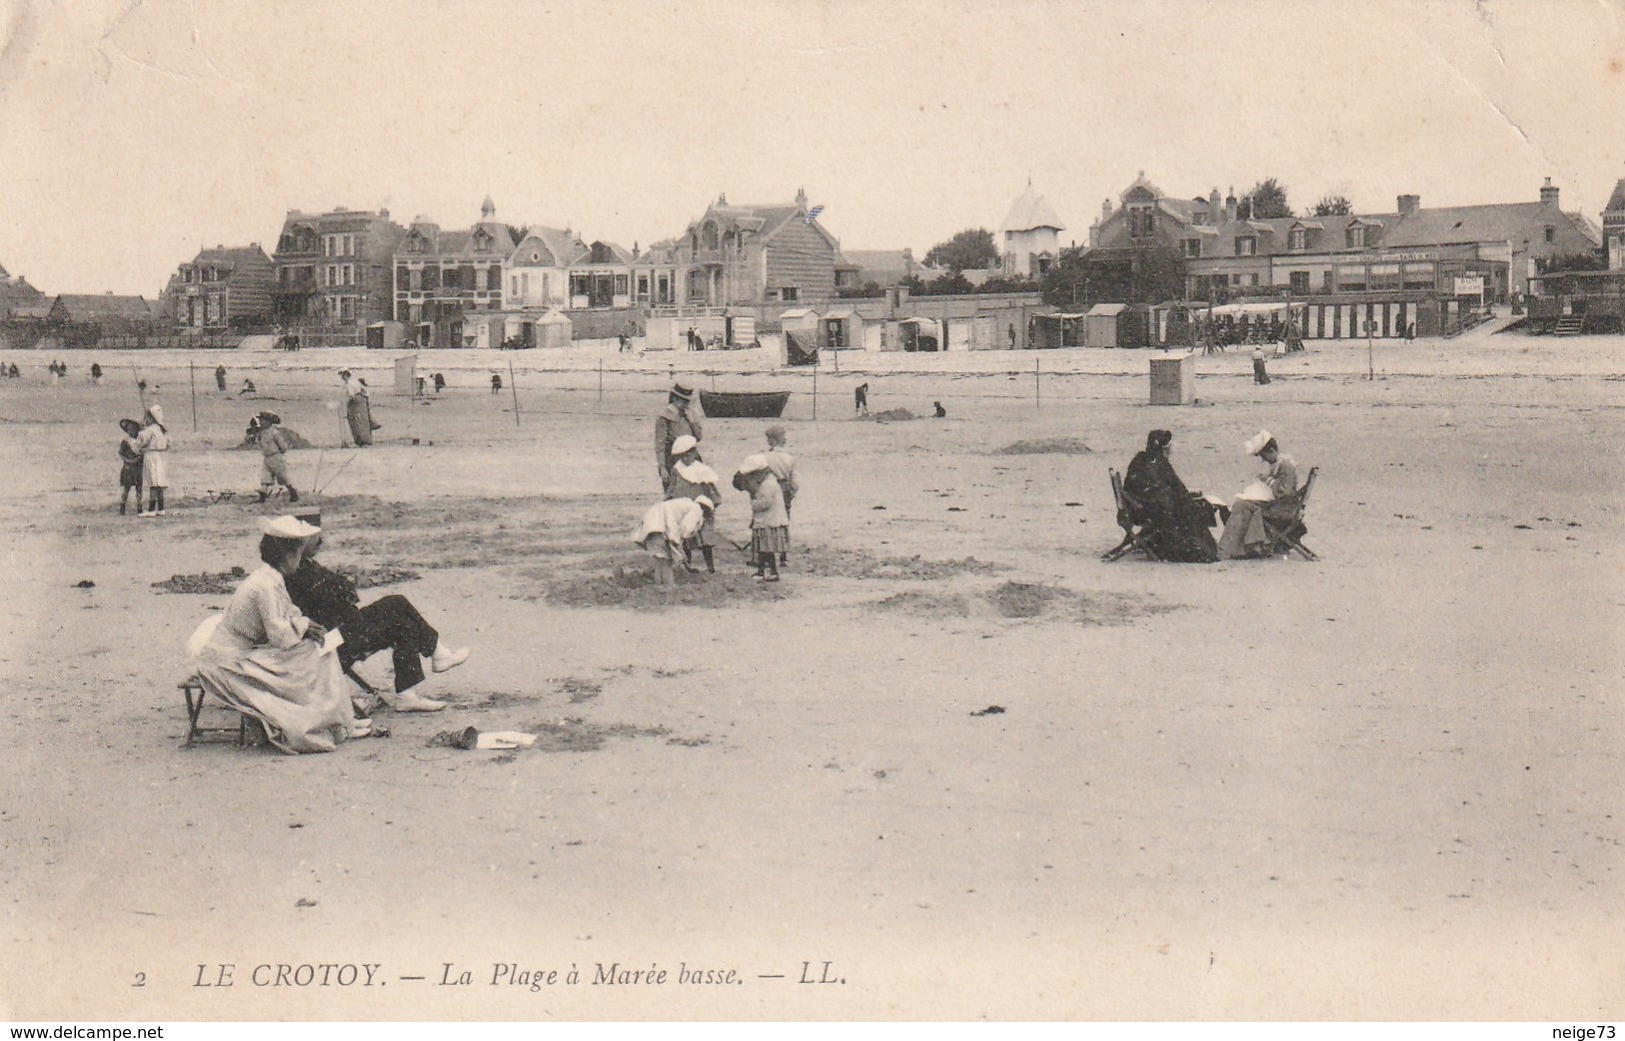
point(783, 466)
point(129, 474)
point(665, 527)
point(769, 523)
point(691, 479)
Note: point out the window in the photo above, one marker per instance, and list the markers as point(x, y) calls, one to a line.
point(1246, 245)
point(1551, 233)
point(1326, 281)
point(513, 285)
point(403, 279)
point(643, 287)
point(1298, 239)
point(1351, 278)
point(789, 294)
point(547, 291)
point(346, 307)
point(1252, 279)
point(349, 245)
point(1193, 247)
point(1235, 279)
point(620, 285)
point(1300, 281)
point(1418, 276)
point(1354, 237)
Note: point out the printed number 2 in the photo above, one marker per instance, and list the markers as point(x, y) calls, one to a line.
point(140, 980)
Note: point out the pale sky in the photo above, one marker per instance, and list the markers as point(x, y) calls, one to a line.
point(132, 133)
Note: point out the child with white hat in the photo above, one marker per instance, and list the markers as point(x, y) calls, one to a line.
point(769, 522)
point(154, 444)
point(691, 479)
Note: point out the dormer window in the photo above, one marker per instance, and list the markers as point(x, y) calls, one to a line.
point(1246, 245)
point(1355, 236)
point(1298, 239)
point(1193, 247)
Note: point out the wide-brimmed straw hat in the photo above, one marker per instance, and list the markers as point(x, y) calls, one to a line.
point(753, 463)
point(1258, 442)
point(680, 391)
point(683, 443)
point(288, 526)
point(705, 501)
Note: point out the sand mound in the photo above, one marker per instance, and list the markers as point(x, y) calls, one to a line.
point(893, 415)
point(847, 563)
point(635, 587)
point(208, 582)
point(1047, 446)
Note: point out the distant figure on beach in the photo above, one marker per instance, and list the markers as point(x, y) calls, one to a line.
point(673, 422)
point(248, 388)
point(129, 474)
point(420, 386)
point(1244, 534)
point(1173, 520)
point(938, 411)
point(220, 378)
point(274, 447)
point(1260, 374)
point(154, 445)
point(783, 466)
point(358, 409)
point(439, 382)
point(496, 383)
point(625, 344)
point(860, 399)
point(95, 373)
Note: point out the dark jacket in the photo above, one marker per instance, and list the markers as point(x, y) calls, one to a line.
point(325, 597)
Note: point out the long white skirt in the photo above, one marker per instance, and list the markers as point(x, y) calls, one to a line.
point(301, 695)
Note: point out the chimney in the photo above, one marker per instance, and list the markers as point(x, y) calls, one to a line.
point(1230, 204)
point(1409, 204)
point(1213, 204)
point(1548, 194)
point(908, 255)
point(1105, 209)
point(801, 199)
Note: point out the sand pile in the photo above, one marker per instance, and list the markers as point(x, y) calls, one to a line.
point(893, 415)
point(207, 582)
point(1047, 446)
point(295, 440)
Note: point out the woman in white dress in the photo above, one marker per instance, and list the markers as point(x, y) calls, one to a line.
point(266, 660)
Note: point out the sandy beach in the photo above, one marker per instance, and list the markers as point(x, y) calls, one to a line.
point(1382, 785)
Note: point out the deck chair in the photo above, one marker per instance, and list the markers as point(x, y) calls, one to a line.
point(1286, 536)
point(1133, 534)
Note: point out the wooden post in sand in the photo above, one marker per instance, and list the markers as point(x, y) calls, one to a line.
point(1038, 389)
point(600, 381)
point(191, 378)
point(515, 388)
point(815, 388)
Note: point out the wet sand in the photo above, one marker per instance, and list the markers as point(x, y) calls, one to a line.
point(1383, 785)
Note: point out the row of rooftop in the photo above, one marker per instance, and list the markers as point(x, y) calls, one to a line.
point(346, 267)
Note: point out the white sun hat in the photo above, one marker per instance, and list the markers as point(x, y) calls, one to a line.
point(683, 443)
point(1256, 443)
point(288, 526)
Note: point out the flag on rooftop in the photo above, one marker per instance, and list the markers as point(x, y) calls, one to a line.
point(812, 214)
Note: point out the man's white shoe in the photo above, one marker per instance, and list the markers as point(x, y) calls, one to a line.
point(446, 658)
point(407, 701)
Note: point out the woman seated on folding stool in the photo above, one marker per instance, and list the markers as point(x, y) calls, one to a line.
point(267, 661)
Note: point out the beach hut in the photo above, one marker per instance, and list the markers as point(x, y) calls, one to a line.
point(1060, 329)
point(1101, 325)
point(921, 334)
point(553, 329)
point(385, 336)
point(842, 329)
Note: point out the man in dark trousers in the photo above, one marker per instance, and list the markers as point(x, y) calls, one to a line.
point(329, 599)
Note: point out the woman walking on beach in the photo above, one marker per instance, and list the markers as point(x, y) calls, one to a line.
point(154, 446)
point(358, 409)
